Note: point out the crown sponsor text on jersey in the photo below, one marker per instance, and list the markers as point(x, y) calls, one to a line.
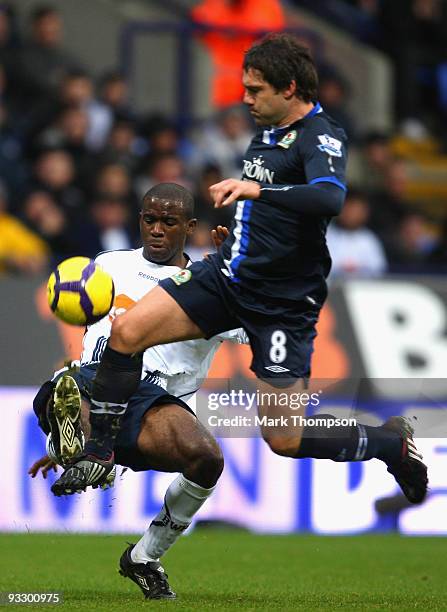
point(254, 169)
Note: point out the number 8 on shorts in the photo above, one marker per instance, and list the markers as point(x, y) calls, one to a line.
point(278, 351)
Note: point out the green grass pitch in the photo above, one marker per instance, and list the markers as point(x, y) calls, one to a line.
point(234, 570)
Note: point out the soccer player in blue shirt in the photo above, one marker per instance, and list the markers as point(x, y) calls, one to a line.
point(268, 277)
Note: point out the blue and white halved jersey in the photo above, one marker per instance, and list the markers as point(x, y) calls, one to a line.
point(277, 245)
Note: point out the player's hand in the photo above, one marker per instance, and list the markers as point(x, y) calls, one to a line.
point(44, 464)
point(228, 191)
point(219, 235)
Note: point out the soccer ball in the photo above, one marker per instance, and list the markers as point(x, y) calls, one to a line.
point(80, 292)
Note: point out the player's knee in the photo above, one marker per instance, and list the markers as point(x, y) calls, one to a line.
point(123, 337)
point(282, 445)
point(205, 463)
point(210, 459)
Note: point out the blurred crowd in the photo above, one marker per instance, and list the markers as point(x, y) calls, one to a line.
point(412, 33)
point(380, 230)
point(76, 158)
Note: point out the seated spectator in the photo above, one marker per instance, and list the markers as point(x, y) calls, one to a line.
point(9, 38)
point(409, 250)
point(204, 204)
point(355, 250)
point(359, 17)
point(78, 90)
point(437, 259)
point(122, 147)
point(111, 224)
point(163, 137)
point(389, 203)
point(333, 94)
point(106, 227)
point(114, 93)
point(224, 142)
point(21, 250)
point(69, 132)
point(373, 161)
point(414, 34)
point(13, 167)
point(43, 215)
point(200, 243)
point(54, 171)
point(41, 64)
point(162, 168)
point(114, 180)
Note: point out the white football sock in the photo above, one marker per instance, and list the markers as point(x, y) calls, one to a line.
point(182, 500)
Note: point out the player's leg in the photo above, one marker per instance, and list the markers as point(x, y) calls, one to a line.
point(160, 317)
point(172, 440)
point(118, 376)
point(285, 353)
point(155, 319)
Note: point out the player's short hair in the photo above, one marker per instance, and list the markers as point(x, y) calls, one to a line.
point(174, 192)
point(282, 59)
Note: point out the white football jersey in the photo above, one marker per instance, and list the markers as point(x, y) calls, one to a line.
point(178, 366)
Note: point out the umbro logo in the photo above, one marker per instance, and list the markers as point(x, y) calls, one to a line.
point(68, 432)
point(277, 369)
point(142, 581)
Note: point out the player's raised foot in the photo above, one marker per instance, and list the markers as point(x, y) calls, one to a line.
point(86, 471)
point(64, 416)
point(150, 576)
point(410, 472)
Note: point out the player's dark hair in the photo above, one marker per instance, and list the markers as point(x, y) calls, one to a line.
point(282, 59)
point(174, 192)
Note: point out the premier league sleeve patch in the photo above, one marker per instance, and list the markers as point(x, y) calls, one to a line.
point(182, 277)
point(330, 145)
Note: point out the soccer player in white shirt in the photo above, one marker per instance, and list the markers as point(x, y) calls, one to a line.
point(159, 431)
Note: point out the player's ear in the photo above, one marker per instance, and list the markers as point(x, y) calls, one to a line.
point(191, 226)
point(290, 90)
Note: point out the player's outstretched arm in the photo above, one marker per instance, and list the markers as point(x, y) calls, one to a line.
point(324, 198)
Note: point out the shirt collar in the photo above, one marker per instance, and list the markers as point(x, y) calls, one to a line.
point(285, 128)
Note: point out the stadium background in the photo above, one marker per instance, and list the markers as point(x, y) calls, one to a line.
point(129, 94)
